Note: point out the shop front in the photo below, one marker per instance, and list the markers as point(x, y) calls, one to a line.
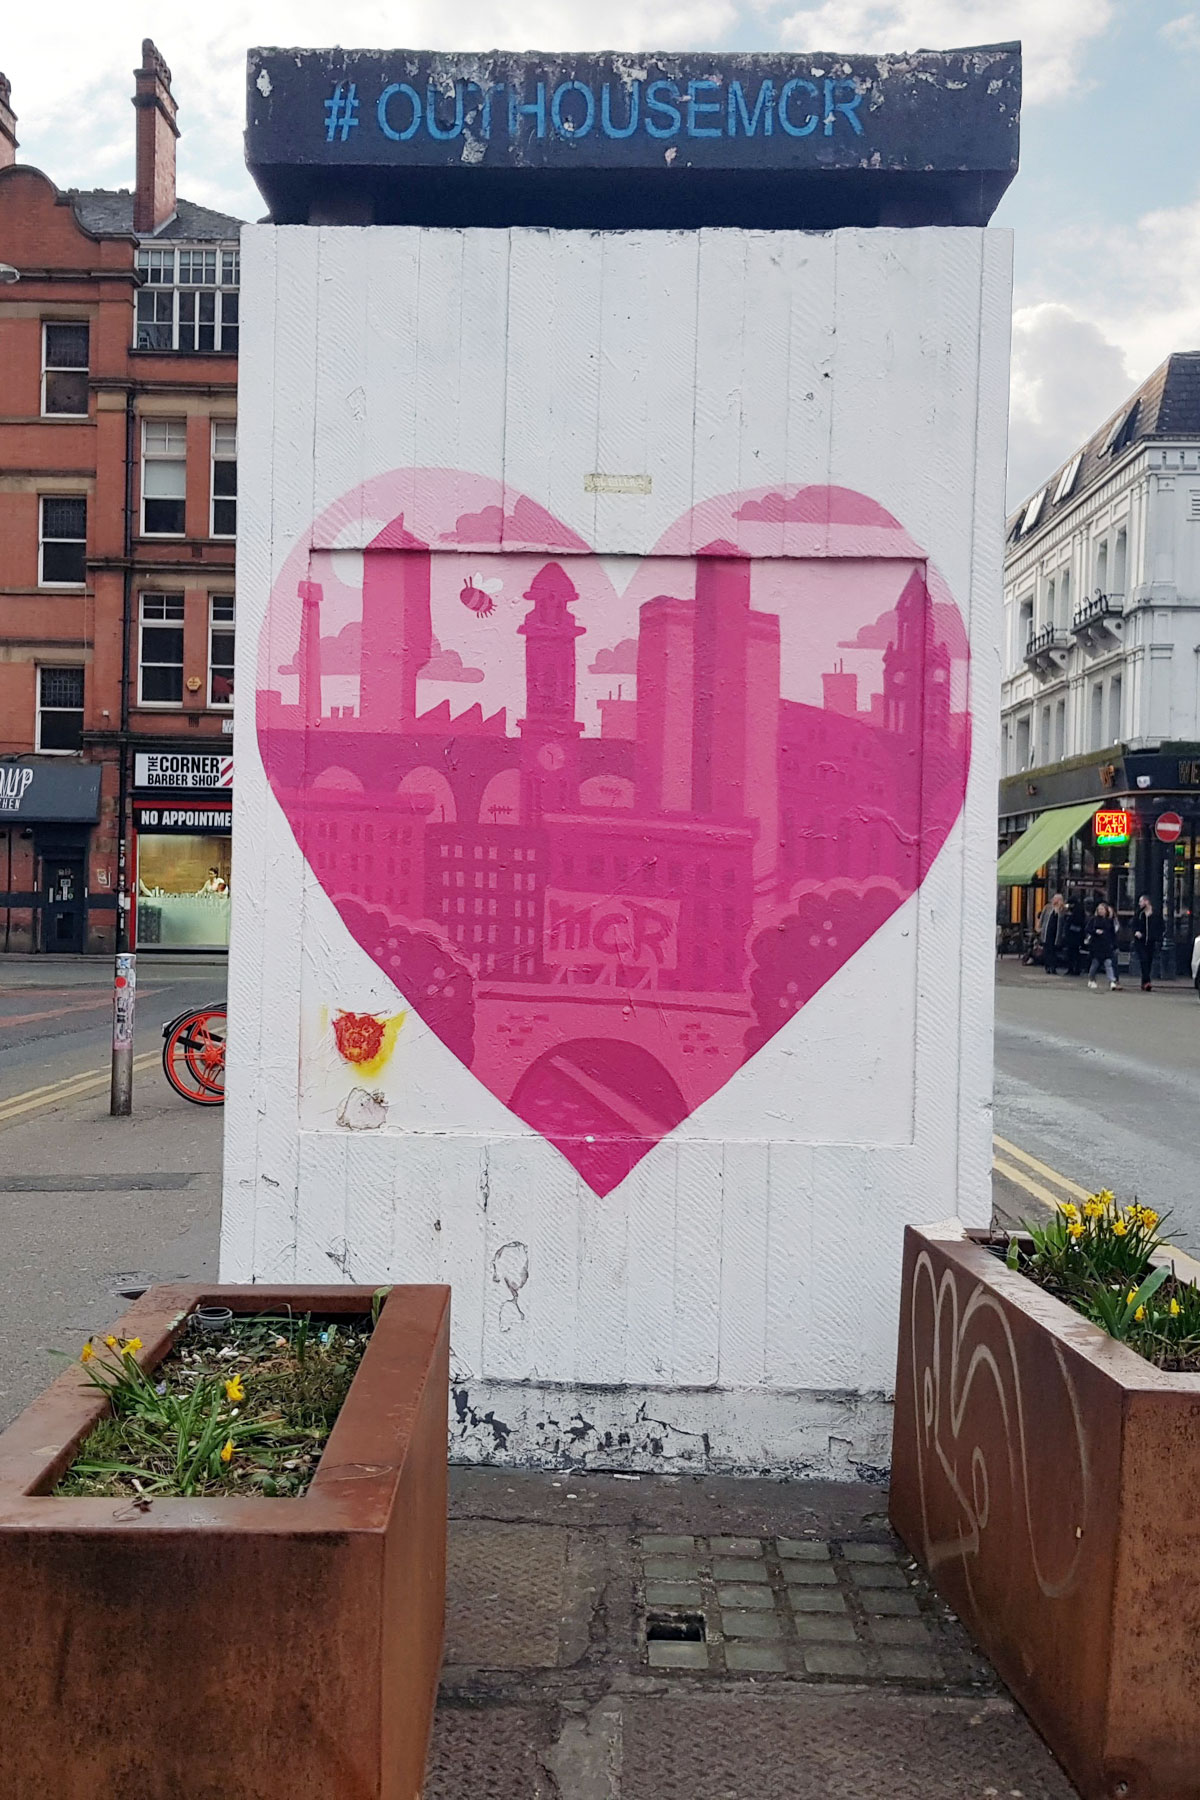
point(183, 824)
point(48, 812)
point(1132, 826)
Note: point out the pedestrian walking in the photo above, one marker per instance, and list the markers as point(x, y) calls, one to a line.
point(1101, 946)
point(1076, 922)
point(1147, 936)
point(1053, 933)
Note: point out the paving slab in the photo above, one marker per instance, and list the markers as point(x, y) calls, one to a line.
point(575, 1671)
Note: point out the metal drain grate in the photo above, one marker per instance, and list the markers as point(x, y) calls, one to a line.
point(801, 1607)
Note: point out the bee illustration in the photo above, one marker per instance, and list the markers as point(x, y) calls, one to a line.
point(477, 594)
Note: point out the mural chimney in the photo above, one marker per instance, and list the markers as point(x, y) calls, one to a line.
point(154, 194)
point(665, 671)
point(397, 628)
point(719, 701)
point(309, 659)
point(8, 126)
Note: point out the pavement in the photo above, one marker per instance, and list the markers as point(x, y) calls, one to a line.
point(609, 1637)
point(645, 1637)
point(90, 1204)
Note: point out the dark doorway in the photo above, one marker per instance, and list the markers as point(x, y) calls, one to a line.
point(63, 904)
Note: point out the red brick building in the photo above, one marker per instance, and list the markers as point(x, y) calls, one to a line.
point(118, 509)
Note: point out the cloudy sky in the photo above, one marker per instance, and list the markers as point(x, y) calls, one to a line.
point(1106, 209)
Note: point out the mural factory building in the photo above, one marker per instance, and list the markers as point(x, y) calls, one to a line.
point(642, 991)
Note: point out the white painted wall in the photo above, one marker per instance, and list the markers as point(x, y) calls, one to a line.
point(733, 1302)
point(1153, 496)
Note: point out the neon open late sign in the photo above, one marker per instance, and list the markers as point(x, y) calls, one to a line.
point(1113, 827)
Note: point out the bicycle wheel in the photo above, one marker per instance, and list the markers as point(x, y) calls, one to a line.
point(194, 1057)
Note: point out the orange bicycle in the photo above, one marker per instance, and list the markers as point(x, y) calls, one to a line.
point(194, 1055)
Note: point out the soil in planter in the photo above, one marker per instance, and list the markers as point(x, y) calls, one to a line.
point(247, 1412)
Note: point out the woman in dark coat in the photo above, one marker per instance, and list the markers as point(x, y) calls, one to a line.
point(1101, 945)
point(1147, 936)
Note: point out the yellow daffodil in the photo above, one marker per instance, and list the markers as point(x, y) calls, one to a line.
point(1149, 1218)
point(111, 1341)
point(1129, 1295)
point(234, 1391)
point(227, 1451)
point(1119, 1227)
point(1106, 1196)
point(131, 1346)
point(1068, 1209)
point(1075, 1229)
point(1176, 1309)
point(1140, 1314)
point(1093, 1209)
point(87, 1353)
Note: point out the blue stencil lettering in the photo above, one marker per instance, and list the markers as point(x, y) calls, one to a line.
point(667, 107)
point(785, 94)
point(431, 119)
point(850, 107)
point(568, 128)
point(696, 106)
point(764, 110)
point(536, 109)
point(381, 112)
point(635, 105)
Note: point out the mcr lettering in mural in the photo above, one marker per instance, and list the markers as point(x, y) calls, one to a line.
point(687, 788)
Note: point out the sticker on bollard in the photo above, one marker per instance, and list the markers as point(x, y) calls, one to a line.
point(124, 1001)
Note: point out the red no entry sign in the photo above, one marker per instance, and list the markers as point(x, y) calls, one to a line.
point(1168, 827)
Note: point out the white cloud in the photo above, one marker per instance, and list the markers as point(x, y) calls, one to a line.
point(1183, 32)
point(1066, 377)
point(1127, 297)
point(1056, 33)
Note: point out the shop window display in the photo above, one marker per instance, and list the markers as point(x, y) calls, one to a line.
point(183, 892)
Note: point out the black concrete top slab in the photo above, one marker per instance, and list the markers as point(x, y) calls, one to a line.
point(618, 141)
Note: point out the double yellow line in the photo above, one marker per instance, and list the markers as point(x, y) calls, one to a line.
point(1037, 1179)
point(71, 1087)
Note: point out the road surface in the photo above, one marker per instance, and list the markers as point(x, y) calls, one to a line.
point(1102, 1088)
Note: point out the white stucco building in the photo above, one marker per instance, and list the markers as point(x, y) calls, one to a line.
point(1101, 647)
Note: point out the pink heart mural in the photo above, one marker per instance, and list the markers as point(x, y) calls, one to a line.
point(609, 823)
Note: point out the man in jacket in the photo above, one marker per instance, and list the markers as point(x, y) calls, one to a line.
point(1147, 936)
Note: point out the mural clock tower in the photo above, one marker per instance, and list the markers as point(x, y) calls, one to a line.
point(550, 732)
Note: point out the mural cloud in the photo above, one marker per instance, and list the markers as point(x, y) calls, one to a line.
point(621, 659)
point(948, 629)
point(448, 665)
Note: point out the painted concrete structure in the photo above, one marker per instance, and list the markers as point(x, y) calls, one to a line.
point(614, 834)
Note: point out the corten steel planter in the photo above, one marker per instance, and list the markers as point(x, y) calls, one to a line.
point(1047, 1478)
point(233, 1649)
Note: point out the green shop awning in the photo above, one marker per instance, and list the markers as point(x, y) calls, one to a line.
point(1034, 848)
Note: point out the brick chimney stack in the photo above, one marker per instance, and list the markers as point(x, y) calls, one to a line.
point(8, 126)
point(154, 196)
